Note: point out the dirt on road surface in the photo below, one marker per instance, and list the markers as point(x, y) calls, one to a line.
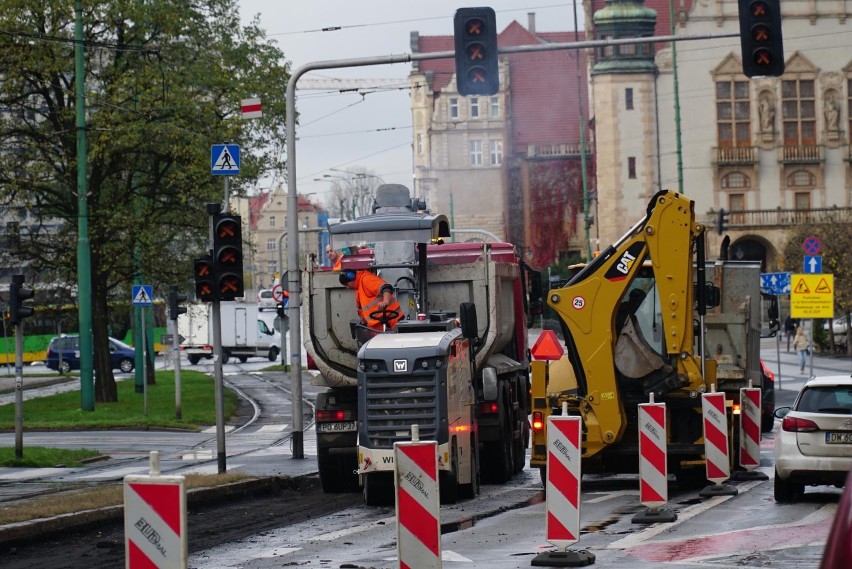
point(102, 547)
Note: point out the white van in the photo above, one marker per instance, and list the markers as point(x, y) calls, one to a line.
point(265, 300)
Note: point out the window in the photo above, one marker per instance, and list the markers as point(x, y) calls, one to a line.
point(802, 200)
point(627, 49)
point(628, 98)
point(476, 153)
point(733, 120)
point(735, 180)
point(736, 202)
point(801, 179)
point(474, 107)
point(495, 107)
point(270, 267)
point(631, 167)
point(271, 221)
point(496, 149)
point(270, 244)
point(798, 108)
point(454, 108)
point(419, 143)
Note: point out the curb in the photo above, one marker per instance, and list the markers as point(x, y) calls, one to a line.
point(33, 530)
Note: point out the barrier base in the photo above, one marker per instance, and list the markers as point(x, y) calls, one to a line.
point(745, 475)
point(719, 490)
point(654, 516)
point(569, 558)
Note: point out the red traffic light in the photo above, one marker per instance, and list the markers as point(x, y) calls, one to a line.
point(475, 52)
point(228, 228)
point(477, 70)
point(758, 8)
point(228, 256)
point(761, 38)
point(204, 288)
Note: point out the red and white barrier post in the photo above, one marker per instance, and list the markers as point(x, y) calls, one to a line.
point(418, 503)
point(653, 464)
point(750, 419)
point(716, 450)
point(563, 493)
point(155, 520)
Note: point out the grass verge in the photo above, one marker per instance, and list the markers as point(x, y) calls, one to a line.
point(98, 497)
point(40, 457)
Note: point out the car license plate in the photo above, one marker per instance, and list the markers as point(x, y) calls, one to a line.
point(338, 427)
point(838, 438)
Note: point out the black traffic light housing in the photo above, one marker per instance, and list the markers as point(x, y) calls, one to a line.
point(17, 295)
point(228, 256)
point(722, 221)
point(175, 298)
point(477, 70)
point(205, 279)
point(761, 39)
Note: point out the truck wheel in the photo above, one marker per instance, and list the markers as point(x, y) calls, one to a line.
point(521, 447)
point(193, 359)
point(273, 353)
point(243, 359)
point(500, 454)
point(378, 489)
point(225, 356)
point(337, 473)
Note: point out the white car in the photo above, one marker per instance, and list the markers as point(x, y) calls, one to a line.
point(814, 445)
point(265, 300)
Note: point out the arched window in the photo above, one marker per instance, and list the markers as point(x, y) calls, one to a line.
point(801, 179)
point(735, 180)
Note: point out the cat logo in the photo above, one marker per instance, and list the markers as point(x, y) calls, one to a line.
point(400, 366)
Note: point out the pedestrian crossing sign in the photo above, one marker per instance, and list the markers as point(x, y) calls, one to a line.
point(142, 295)
point(225, 159)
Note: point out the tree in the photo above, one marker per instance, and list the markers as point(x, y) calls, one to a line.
point(163, 82)
point(836, 254)
point(352, 192)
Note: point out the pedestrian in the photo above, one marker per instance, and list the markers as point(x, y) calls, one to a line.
point(801, 344)
point(372, 294)
point(335, 257)
point(789, 329)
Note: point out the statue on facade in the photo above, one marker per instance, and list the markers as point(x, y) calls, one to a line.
point(766, 112)
point(832, 113)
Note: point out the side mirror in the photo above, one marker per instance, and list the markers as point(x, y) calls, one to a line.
point(781, 412)
point(467, 314)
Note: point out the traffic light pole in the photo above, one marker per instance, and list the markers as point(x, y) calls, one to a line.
point(19, 390)
point(293, 281)
point(176, 358)
point(219, 396)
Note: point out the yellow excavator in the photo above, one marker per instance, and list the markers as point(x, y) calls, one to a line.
point(630, 319)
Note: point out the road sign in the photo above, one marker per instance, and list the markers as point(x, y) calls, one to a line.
point(155, 534)
point(142, 295)
point(812, 296)
point(813, 264)
point(278, 293)
point(251, 108)
point(775, 283)
point(225, 159)
point(812, 246)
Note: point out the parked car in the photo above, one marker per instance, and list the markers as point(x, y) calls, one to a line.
point(265, 300)
point(838, 327)
point(63, 354)
point(814, 445)
point(767, 398)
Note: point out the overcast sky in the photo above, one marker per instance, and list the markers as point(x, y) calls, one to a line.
point(373, 131)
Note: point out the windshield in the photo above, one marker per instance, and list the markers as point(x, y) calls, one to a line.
point(827, 399)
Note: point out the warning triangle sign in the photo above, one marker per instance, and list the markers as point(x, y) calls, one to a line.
point(547, 347)
point(801, 287)
point(225, 161)
point(142, 297)
point(823, 287)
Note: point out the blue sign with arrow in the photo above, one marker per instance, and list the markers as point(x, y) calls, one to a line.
point(813, 264)
point(775, 283)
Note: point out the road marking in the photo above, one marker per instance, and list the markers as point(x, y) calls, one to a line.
point(276, 552)
point(212, 430)
point(198, 455)
point(604, 496)
point(272, 428)
point(334, 535)
point(27, 473)
point(682, 516)
point(116, 473)
point(208, 469)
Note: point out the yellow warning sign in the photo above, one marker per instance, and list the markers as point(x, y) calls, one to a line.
point(812, 296)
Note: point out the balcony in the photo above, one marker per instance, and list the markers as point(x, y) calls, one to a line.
point(774, 218)
point(556, 150)
point(810, 154)
point(736, 155)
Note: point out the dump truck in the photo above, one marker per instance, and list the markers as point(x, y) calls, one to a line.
point(650, 315)
point(456, 364)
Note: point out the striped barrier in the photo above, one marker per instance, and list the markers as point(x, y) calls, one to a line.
point(717, 456)
point(417, 504)
point(562, 527)
point(653, 464)
point(155, 520)
point(750, 418)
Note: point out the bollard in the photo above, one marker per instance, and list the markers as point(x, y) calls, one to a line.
point(418, 503)
point(718, 463)
point(750, 418)
point(653, 464)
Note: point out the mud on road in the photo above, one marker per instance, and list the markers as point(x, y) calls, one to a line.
point(102, 547)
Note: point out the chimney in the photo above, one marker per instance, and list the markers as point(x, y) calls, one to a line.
point(531, 22)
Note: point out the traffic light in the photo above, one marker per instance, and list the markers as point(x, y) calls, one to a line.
point(722, 221)
point(17, 295)
point(175, 298)
point(760, 36)
point(228, 255)
point(476, 51)
point(205, 279)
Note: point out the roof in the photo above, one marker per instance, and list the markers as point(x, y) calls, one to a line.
point(829, 380)
point(541, 84)
point(255, 207)
point(663, 27)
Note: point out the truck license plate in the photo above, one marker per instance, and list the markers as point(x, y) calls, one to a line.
point(838, 438)
point(339, 427)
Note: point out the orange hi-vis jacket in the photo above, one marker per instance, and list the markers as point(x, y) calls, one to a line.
point(368, 293)
point(337, 263)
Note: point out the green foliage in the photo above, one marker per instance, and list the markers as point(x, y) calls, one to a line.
point(62, 411)
point(42, 457)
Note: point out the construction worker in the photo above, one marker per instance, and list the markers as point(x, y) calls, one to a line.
point(372, 294)
point(335, 257)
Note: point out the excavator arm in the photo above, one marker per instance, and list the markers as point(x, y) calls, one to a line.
point(588, 306)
